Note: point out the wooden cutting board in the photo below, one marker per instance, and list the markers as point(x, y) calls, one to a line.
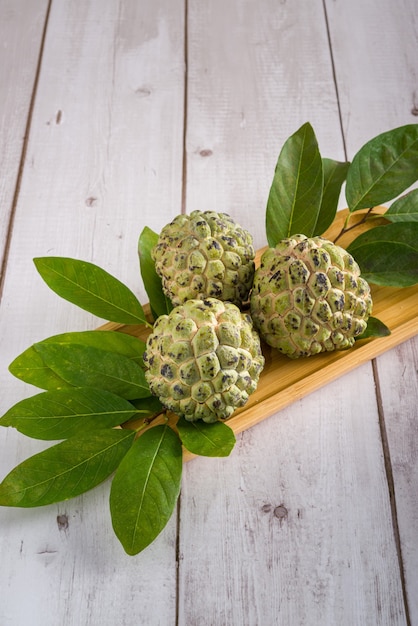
point(284, 380)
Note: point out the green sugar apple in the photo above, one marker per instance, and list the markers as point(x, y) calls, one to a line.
point(308, 297)
point(205, 254)
point(203, 360)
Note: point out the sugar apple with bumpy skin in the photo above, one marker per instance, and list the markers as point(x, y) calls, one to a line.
point(203, 360)
point(308, 297)
point(205, 254)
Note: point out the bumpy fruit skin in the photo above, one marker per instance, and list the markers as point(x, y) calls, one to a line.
point(308, 297)
point(203, 360)
point(205, 254)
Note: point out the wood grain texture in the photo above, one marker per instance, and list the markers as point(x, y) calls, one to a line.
point(398, 386)
point(377, 85)
point(250, 88)
point(103, 159)
point(224, 552)
point(377, 80)
point(21, 30)
point(297, 526)
point(297, 519)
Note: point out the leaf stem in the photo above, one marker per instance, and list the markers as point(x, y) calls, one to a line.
point(346, 228)
point(148, 420)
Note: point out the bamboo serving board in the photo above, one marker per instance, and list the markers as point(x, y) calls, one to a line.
point(284, 380)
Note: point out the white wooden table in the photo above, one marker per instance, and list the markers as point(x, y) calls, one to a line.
point(116, 115)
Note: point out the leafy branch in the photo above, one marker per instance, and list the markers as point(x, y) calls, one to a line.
point(385, 167)
point(346, 229)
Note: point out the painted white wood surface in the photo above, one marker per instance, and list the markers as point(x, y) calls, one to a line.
point(374, 45)
point(21, 30)
point(297, 520)
point(296, 526)
point(398, 383)
point(378, 87)
point(104, 158)
point(257, 72)
point(331, 570)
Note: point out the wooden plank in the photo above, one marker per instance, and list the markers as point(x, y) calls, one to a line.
point(292, 528)
point(253, 81)
point(398, 387)
point(377, 87)
point(104, 158)
point(323, 484)
point(252, 86)
point(376, 80)
point(21, 28)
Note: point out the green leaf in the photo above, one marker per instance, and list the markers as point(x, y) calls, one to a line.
point(145, 488)
point(146, 410)
point(91, 288)
point(375, 328)
point(67, 412)
point(30, 367)
point(159, 303)
point(335, 173)
point(147, 407)
point(405, 209)
point(388, 255)
point(215, 439)
point(383, 168)
point(84, 366)
point(66, 470)
point(296, 192)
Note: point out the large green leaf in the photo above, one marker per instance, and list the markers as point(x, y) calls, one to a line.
point(66, 470)
point(91, 288)
point(67, 412)
point(383, 168)
point(84, 366)
point(145, 488)
point(296, 191)
point(215, 439)
point(30, 367)
point(388, 255)
point(159, 304)
point(405, 209)
point(335, 173)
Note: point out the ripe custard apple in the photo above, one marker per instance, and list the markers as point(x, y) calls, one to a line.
point(308, 297)
point(203, 360)
point(205, 254)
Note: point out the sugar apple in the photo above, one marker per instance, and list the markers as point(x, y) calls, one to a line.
point(203, 360)
point(205, 254)
point(308, 297)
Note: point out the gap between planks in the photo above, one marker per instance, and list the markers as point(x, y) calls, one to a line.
point(334, 78)
point(185, 107)
point(183, 211)
point(24, 152)
point(391, 489)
